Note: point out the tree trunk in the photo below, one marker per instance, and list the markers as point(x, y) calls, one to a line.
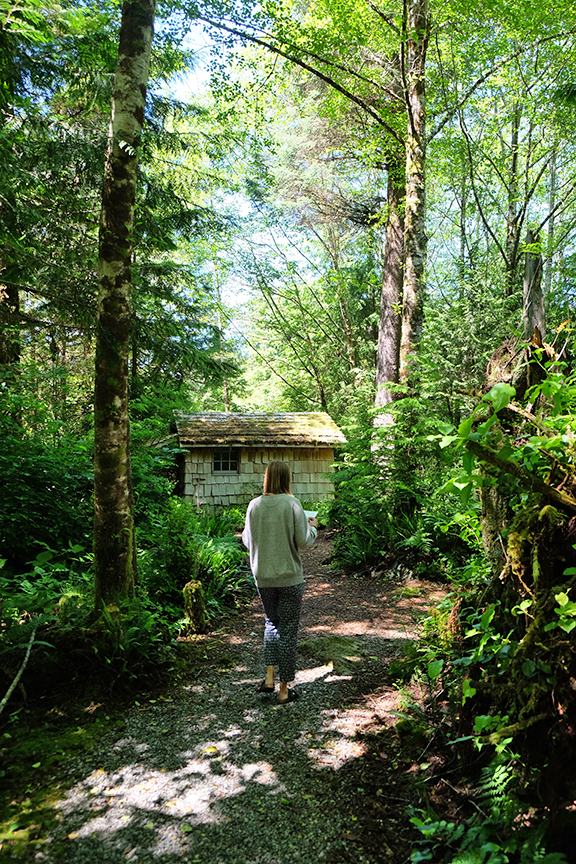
point(195, 608)
point(512, 218)
point(417, 26)
point(225, 391)
point(114, 551)
point(463, 222)
point(551, 223)
point(533, 312)
point(390, 327)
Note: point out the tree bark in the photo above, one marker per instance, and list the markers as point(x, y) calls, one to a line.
point(533, 312)
point(417, 27)
point(512, 218)
point(390, 326)
point(114, 551)
point(551, 223)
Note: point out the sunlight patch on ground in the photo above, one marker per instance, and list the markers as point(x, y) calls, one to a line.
point(137, 795)
point(336, 752)
point(362, 628)
point(337, 749)
point(304, 676)
point(252, 715)
point(232, 639)
point(348, 723)
point(233, 732)
point(386, 705)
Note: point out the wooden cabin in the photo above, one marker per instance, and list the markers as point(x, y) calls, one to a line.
point(227, 453)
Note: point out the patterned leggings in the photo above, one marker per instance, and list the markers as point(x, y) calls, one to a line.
point(282, 609)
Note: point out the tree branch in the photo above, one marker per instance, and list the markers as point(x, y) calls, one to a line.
point(492, 71)
point(505, 466)
point(20, 671)
point(303, 65)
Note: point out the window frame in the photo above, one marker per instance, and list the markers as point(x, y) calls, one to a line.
point(232, 456)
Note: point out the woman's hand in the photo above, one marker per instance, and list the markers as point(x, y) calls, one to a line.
point(313, 521)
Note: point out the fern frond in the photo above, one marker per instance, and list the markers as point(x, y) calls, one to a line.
point(494, 789)
point(19, 634)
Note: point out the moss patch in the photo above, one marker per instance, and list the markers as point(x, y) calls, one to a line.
point(31, 752)
point(344, 652)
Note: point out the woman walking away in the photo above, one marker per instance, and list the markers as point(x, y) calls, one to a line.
point(276, 528)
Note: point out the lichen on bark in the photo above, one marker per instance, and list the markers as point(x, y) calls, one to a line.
point(114, 549)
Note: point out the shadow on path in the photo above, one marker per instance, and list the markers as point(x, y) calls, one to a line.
point(218, 774)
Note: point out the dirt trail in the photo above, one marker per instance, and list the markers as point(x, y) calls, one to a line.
point(210, 772)
point(380, 615)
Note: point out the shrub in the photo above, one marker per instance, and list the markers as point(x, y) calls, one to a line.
point(46, 497)
point(195, 545)
point(385, 506)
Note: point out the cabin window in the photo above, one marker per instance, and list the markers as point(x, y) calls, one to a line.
point(226, 459)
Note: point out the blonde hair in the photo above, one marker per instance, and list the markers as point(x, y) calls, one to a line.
point(277, 478)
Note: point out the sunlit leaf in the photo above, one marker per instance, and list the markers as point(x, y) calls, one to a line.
point(435, 668)
point(500, 395)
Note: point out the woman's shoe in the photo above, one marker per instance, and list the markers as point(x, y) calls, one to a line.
point(262, 688)
point(293, 695)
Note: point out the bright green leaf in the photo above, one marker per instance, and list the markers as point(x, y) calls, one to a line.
point(500, 395)
point(435, 668)
point(468, 461)
point(468, 690)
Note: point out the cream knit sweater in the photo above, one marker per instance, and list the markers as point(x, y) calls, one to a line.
point(276, 528)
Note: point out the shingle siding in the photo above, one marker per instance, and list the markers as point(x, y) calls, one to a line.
point(304, 440)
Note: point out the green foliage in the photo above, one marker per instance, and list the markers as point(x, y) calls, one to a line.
point(550, 440)
point(566, 611)
point(465, 322)
point(385, 507)
point(53, 585)
point(132, 637)
point(493, 835)
point(46, 496)
point(56, 597)
point(193, 545)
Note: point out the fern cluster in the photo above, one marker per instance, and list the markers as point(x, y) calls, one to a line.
point(493, 835)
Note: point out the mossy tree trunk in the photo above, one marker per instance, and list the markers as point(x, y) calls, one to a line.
point(416, 25)
point(113, 501)
point(529, 680)
point(533, 307)
point(390, 327)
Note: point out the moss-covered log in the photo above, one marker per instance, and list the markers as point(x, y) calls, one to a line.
point(195, 607)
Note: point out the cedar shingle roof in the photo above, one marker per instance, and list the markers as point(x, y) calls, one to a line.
point(224, 428)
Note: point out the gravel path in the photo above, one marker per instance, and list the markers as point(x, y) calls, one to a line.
point(214, 773)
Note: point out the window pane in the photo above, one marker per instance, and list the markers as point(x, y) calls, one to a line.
point(225, 459)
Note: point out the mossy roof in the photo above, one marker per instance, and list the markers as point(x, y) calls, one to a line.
point(257, 429)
